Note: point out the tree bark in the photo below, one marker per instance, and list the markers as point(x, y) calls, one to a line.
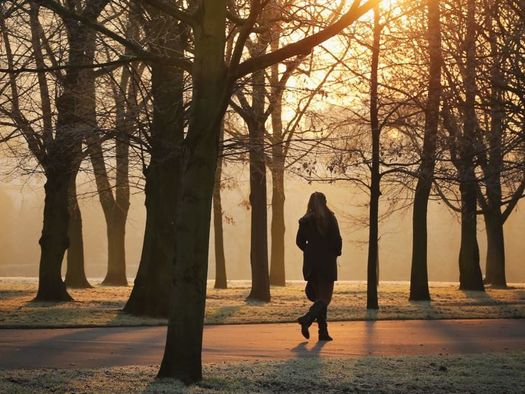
point(495, 269)
point(260, 290)
point(470, 277)
point(494, 219)
point(277, 266)
point(151, 290)
point(278, 227)
point(419, 272)
point(469, 270)
point(211, 91)
point(75, 274)
point(375, 191)
point(220, 260)
point(54, 240)
point(116, 233)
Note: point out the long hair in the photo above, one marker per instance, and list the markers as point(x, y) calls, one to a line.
point(319, 210)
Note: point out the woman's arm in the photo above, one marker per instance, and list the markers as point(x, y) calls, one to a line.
point(338, 241)
point(300, 239)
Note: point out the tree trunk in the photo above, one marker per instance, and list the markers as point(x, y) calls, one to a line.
point(150, 293)
point(419, 272)
point(182, 355)
point(151, 290)
point(116, 226)
point(116, 233)
point(278, 228)
point(470, 277)
point(494, 219)
point(260, 290)
point(495, 269)
point(277, 267)
point(220, 259)
point(375, 192)
point(75, 274)
point(54, 239)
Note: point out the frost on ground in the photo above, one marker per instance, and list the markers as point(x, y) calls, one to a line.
point(101, 306)
point(482, 373)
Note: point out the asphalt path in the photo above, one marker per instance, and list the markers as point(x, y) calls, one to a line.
point(119, 346)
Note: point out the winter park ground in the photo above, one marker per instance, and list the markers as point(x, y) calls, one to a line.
point(314, 368)
point(101, 306)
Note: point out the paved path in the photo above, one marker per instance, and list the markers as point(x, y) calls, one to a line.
point(105, 347)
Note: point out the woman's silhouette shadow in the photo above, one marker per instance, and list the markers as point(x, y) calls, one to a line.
point(302, 351)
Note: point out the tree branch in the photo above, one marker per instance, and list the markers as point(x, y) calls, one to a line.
point(170, 10)
point(137, 49)
point(305, 45)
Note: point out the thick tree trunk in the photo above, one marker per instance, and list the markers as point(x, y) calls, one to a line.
point(151, 290)
point(150, 293)
point(54, 239)
point(495, 268)
point(470, 277)
point(116, 233)
point(260, 290)
point(419, 272)
point(277, 267)
point(375, 192)
point(220, 259)
point(75, 274)
point(182, 355)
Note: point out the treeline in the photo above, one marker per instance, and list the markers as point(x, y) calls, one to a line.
point(424, 98)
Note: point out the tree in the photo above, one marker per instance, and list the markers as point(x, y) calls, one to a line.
point(220, 260)
point(419, 274)
point(375, 191)
point(59, 151)
point(151, 290)
point(463, 152)
point(504, 181)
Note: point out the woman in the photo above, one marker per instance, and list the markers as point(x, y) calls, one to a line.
point(319, 239)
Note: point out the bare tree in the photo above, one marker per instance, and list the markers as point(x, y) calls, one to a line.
point(419, 274)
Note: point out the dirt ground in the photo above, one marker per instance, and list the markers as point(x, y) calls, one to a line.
point(487, 373)
point(101, 306)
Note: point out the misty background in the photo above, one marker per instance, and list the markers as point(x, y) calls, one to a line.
point(22, 200)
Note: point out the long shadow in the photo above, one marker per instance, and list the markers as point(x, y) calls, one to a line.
point(88, 347)
point(278, 379)
point(7, 294)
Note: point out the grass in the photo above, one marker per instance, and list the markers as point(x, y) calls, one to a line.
point(101, 306)
point(487, 373)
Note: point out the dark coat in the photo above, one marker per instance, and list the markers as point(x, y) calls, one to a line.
point(319, 251)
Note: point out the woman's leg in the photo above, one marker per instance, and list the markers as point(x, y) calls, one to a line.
point(325, 290)
point(315, 310)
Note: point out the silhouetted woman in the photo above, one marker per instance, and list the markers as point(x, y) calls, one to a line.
point(319, 239)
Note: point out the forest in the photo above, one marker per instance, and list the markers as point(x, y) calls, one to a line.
point(407, 102)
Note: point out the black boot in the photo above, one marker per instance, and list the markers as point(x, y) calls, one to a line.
point(306, 320)
point(323, 325)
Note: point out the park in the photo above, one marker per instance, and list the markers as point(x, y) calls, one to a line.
point(262, 196)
